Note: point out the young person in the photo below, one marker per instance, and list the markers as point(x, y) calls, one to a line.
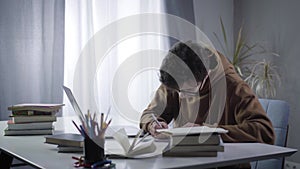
point(200, 87)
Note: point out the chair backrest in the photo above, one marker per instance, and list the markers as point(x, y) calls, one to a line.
point(278, 112)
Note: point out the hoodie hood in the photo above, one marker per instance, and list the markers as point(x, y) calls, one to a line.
point(214, 89)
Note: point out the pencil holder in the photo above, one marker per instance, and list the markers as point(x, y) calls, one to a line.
point(93, 152)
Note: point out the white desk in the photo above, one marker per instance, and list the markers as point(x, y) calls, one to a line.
point(33, 150)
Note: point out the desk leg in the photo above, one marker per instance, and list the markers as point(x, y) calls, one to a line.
point(5, 160)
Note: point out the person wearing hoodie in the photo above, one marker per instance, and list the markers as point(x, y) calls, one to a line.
point(199, 86)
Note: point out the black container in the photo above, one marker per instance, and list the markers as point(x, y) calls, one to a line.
point(93, 152)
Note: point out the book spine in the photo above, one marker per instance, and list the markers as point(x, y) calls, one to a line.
point(31, 113)
point(28, 126)
point(196, 140)
point(207, 148)
point(31, 119)
point(27, 132)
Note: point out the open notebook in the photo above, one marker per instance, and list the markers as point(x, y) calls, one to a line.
point(136, 147)
point(133, 148)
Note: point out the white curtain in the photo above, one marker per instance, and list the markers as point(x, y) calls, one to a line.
point(85, 22)
point(31, 52)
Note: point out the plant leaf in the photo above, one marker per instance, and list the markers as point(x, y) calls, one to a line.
point(224, 33)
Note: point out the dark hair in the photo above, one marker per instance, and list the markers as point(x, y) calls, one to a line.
point(172, 68)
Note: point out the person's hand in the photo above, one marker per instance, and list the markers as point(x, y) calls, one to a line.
point(154, 126)
point(188, 124)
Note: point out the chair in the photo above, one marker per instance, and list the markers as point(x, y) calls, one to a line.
point(278, 113)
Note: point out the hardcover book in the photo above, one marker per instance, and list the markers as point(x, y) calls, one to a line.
point(69, 149)
point(177, 148)
point(30, 119)
point(196, 139)
point(29, 126)
point(66, 139)
point(32, 112)
point(36, 107)
point(27, 132)
point(198, 147)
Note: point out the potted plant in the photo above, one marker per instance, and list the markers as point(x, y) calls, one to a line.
point(264, 79)
point(260, 74)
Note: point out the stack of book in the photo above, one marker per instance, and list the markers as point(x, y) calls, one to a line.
point(66, 142)
point(194, 142)
point(195, 145)
point(32, 119)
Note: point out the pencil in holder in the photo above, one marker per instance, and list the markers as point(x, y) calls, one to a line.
point(93, 152)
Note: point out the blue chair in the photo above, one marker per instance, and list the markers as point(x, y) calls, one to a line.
point(278, 113)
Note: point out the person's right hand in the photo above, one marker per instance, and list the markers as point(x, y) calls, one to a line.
point(154, 126)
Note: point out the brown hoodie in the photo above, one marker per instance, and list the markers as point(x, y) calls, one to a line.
point(225, 99)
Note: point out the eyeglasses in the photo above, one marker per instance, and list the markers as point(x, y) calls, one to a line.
point(194, 91)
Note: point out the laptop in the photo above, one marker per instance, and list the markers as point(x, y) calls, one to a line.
point(130, 130)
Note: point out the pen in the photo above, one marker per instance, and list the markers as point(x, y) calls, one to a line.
point(101, 163)
point(108, 111)
point(135, 140)
point(77, 127)
point(108, 123)
point(146, 135)
point(91, 129)
point(101, 121)
point(155, 119)
point(83, 132)
point(94, 116)
point(102, 132)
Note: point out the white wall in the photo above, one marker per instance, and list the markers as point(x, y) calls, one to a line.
point(276, 25)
